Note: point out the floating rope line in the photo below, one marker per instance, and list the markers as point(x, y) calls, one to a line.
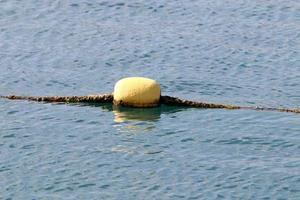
point(174, 101)
point(105, 98)
point(139, 92)
point(167, 100)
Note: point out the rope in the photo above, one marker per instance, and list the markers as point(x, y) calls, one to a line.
point(106, 98)
point(167, 100)
point(293, 110)
point(173, 101)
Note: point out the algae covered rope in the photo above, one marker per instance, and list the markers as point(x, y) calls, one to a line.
point(166, 100)
point(140, 92)
point(108, 98)
point(174, 101)
point(105, 98)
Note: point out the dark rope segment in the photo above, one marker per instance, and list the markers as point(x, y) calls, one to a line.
point(106, 98)
point(174, 101)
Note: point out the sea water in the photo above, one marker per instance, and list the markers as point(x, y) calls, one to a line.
point(223, 51)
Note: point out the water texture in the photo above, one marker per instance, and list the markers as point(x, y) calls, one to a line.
point(222, 51)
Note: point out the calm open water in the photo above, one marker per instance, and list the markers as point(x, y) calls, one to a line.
point(223, 51)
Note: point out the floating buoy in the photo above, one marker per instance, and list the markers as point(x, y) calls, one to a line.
point(137, 92)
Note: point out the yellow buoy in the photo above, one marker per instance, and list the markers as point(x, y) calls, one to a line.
point(137, 92)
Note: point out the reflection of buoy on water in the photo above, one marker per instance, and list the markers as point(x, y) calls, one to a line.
point(137, 92)
point(124, 114)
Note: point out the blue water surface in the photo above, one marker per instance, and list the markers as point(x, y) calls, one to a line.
point(223, 51)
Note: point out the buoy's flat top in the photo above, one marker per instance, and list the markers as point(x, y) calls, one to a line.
point(137, 92)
